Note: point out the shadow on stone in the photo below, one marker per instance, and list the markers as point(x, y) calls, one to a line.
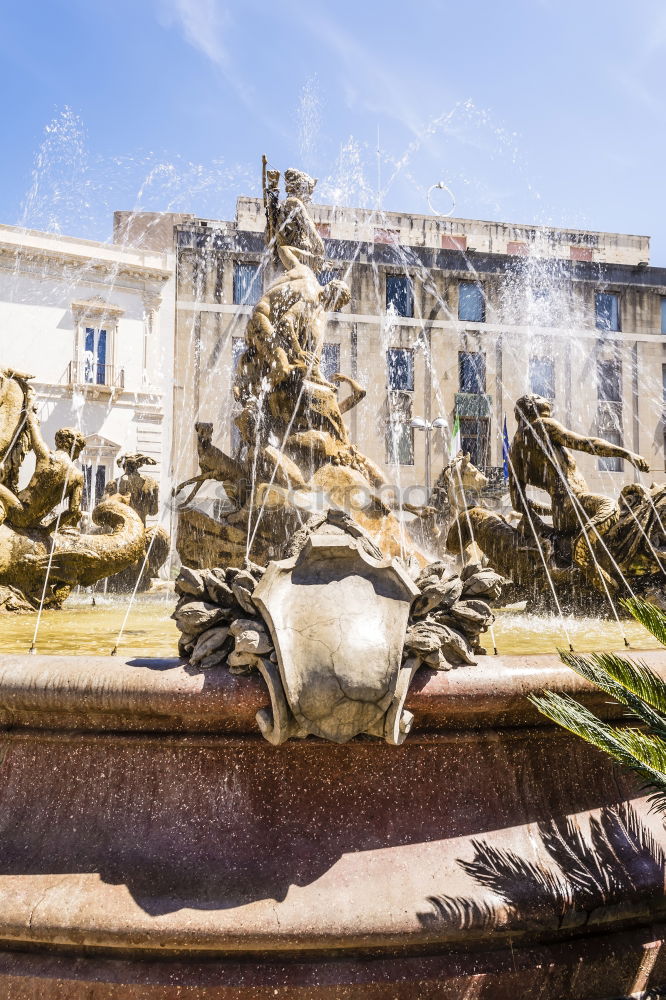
point(619, 864)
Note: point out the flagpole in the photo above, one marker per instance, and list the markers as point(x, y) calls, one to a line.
point(456, 441)
point(505, 451)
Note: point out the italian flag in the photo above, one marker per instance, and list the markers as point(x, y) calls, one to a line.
point(455, 445)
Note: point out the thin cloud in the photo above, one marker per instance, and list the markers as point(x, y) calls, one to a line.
point(206, 25)
point(655, 37)
point(203, 23)
point(380, 92)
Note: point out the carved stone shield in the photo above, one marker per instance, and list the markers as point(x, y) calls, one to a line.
point(338, 618)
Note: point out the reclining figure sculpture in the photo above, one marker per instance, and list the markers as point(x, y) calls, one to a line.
point(42, 554)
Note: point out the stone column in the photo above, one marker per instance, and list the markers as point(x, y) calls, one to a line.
point(151, 303)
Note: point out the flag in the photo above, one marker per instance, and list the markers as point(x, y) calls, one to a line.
point(505, 451)
point(455, 445)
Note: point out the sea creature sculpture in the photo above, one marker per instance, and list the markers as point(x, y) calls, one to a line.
point(42, 554)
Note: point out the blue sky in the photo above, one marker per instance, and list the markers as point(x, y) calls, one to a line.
point(539, 111)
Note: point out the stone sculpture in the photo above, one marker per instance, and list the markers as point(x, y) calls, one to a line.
point(142, 493)
point(336, 630)
point(457, 481)
point(596, 549)
point(294, 445)
point(288, 223)
point(42, 554)
point(56, 479)
point(335, 624)
point(14, 434)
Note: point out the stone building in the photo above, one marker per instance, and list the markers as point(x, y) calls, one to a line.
point(93, 322)
point(449, 318)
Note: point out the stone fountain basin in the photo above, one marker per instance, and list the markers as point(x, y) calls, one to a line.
point(152, 844)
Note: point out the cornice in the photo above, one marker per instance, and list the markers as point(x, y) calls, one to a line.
point(63, 263)
point(147, 402)
point(82, 309)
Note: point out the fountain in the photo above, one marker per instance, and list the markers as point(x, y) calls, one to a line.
point(335, 790)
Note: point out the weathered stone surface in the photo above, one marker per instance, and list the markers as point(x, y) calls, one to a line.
point(428, 637)
point(186, 643)
point(189, 582)
point(217, 589)
point(337, 618)
point(444, 630)
point(470, 569)
point(214, 659)
point(242, 586)
point(441, 594)
point(250, 637)
point(195, 616)
point(209, 642)
point(438, 661)
point(484, 583)
point(472, 617)
point(424, 637)
point(242, 662)
point(456, 649)
point(432, 572)
point(12, 599)
point(307, 835)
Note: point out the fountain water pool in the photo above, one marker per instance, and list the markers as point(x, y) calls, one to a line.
point(82, 628)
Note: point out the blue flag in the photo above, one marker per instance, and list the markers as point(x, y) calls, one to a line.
point(505, 451)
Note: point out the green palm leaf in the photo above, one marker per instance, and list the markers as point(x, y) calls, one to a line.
point(649, 615)
point(621, 745)
point(646, 748)
point(632, 684)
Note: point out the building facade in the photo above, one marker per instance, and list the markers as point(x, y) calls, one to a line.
point(449, 318)
point(93, 322)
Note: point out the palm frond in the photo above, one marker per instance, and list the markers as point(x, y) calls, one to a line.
point(632, 684)
point(568, 713)
point(644, 747)
point(649, 615)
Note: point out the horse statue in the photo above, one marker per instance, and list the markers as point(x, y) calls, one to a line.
point(456, 488)
point(454, 482)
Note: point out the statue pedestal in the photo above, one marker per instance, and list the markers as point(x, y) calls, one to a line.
point(153, 845)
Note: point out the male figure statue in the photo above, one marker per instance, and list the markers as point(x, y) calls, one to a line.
point(539, 457)
point(286, 329)
point(55, 480)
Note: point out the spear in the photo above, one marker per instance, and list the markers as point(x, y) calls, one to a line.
point(269, 220)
